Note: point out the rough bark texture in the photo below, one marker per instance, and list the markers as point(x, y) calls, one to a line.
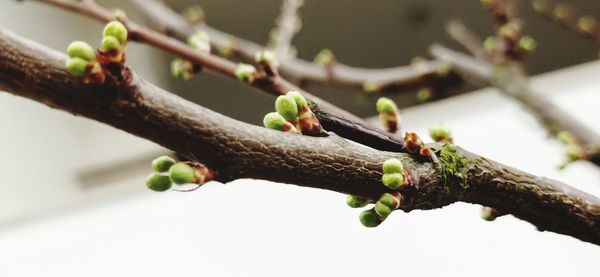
point(239, 150)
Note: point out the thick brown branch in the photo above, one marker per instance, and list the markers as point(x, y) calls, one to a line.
point(332, 117)
point(298, 69)
point(511, 80)
point(239, 150)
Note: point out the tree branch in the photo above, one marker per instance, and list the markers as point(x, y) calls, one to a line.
point(511, 81)
point(301, 70)
point(287, 26)
point(332, 118)
point(239, 150)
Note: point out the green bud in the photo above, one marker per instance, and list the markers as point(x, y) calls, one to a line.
point(119, 15)
point(386, 105)
point(162, 164)
point(76, 67)
point(182, 69)
point(297, 96)
point(587, 24)
point(489, 3)
point(562, 11)
point(158, 182)
point(424, 94)
point(356, 201)
point(389, 200)
point(116, 29)
point(245, 72)
point(566, 137)
point(194, 14)
point(510, 30)
point(227, 49)
point(324, 57)
point(274, 121)
point(574, 152)
point(369, 218)
point(80, 49)
point(181, 173)
point(110, 43)
point(392, 166)
point(382, 209)
point(393, 180)
point(370, 87)
point(286, 106)
point(265, 57)
point(491, 44)
point(527, 44)
point(439, 132)
point(199, 41)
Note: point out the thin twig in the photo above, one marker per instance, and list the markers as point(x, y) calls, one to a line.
point(294, 68)
point(512, 82)
point(564, 14)
point(467, 38)
point(287, 25)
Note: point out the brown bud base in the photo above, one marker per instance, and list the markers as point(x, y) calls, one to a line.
point(308, 122)
point(202, 175)
point(390, 121)
point(269, 69)
point(414, 145)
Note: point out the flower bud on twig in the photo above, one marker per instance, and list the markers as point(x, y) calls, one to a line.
point(325, 57)
point(276, 122)
point(440, 133)
point(245, 72)
point(388, 114)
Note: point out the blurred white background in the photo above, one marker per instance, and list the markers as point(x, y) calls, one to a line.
point(66, 211)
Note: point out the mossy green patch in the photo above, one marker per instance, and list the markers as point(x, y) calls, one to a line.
point(454, 165)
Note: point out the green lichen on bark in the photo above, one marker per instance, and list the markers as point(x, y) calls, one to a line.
point(455, 167)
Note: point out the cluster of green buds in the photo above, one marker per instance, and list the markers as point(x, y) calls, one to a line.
point(267, 61)
point(588, 25)
point(509, 42)
point(114, 41)
point(82, 63)
point(388, 114)
point(394, 178)
point(167, 171)
point(293, 115)
point(92, 66)
point(414, 145)
point(573, 149)
point(184, 69)
point(440, 133)
point(325, 57)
